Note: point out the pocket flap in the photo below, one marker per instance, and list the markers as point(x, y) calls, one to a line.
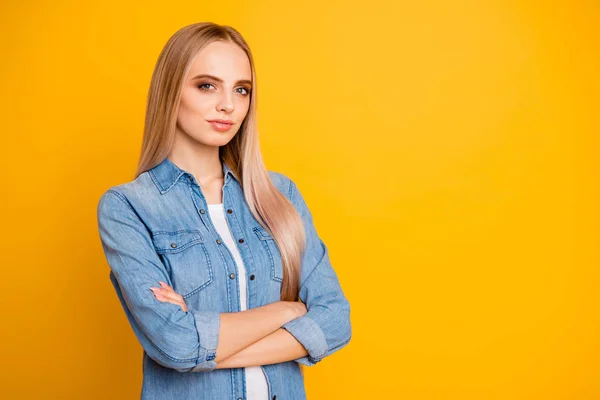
point(262, 233)
point(176, 241)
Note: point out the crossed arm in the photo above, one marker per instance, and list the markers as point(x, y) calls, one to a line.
point(198, 341)
point(277, 346)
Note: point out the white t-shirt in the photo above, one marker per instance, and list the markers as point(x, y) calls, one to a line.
point(256, 382)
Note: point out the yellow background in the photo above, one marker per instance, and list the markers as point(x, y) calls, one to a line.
point(448, 151)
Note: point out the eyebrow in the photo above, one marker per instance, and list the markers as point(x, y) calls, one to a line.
point(219, 79)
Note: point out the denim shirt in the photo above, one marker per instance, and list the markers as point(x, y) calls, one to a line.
point(157, 228)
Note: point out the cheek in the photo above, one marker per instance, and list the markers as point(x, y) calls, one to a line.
point(242, 108)
point(193, 108)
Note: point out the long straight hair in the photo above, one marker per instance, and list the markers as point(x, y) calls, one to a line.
point(242, 154)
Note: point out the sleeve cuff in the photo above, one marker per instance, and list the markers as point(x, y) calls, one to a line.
point(311, 336)
point(207, 325)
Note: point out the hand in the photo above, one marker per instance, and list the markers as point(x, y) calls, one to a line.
point(298, 308)
point(167, 294)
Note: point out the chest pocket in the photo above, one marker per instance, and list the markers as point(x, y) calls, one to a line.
point(272, 252)
point(184, 253)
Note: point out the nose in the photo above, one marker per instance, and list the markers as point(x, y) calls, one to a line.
point(225, 104)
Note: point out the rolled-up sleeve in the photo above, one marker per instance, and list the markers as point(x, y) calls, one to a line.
point(184, 341)
point(326, 327)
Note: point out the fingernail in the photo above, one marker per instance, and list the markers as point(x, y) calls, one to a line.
point(154, 289)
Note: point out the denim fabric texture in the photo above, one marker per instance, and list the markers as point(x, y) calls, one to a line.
point(157, 228)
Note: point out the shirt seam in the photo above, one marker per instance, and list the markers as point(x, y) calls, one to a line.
point(122, 198)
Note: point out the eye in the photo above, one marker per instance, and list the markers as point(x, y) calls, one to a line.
point(202, 86)
point(247, 91)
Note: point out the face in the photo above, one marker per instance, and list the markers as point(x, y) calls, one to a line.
point(217, 88)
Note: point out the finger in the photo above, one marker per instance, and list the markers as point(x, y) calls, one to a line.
point(178, 302)
point(167, 300)
point(161, 291)
point(169, 294)
point(163, 297)
point(167, 288)
point(164, 285)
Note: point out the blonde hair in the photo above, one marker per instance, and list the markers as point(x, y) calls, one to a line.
point(242, 154)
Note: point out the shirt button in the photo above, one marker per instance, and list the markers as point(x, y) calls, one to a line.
point(229, 211)
point(241, 240)
point(251, 277)
point(232, 275)
point(202, 211)
point(173, 245)
point(219, 241)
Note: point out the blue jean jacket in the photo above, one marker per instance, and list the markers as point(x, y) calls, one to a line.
point(157, 228)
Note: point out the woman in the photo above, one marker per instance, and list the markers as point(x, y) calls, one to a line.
point(209, 252)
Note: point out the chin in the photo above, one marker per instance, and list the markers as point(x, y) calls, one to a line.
point(214, 139)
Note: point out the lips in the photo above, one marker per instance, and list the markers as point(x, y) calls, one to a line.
point(221, 125)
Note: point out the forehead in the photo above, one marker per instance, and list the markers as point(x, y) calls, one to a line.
point(222, 59)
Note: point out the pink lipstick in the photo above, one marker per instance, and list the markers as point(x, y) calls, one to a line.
point(221, 125)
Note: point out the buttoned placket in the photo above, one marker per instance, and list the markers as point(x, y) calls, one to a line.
point(205, 217)
point(248, 263)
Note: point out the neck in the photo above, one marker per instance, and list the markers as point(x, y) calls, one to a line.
point(200, 160)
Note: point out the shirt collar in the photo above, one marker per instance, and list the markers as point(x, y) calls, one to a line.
point(167, 173)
